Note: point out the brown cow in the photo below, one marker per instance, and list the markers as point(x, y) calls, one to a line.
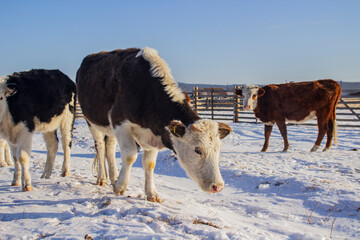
point(295, 102)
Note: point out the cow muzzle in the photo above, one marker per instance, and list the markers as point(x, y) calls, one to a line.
point(217, 187)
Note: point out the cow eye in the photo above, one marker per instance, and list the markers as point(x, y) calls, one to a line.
point(1, 98)
point(254, 96)
point(198, 151)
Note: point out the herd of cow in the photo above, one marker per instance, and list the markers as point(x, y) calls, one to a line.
point(129, 97)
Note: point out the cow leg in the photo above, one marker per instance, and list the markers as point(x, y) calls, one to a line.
point(66, 137)
point(2, 153)
point(129, 153)
point(17, 172)
point(23, 152)
point(323, 128)
point(100, 153)
point(282, 127)
point(110, 145)
point(148, 162)
point(267, 133)
point(52, 144)
point(330, 133)
point(8, 155)
point(5, 155)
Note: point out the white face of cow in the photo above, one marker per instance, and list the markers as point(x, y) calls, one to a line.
point(250, 96)
point(5, 92)
point(198, 149)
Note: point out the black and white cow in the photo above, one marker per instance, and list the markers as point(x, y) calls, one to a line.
point(36, 101)
point(130, 96)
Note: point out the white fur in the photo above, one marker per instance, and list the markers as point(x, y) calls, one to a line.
point(3, 79)
point(159, 68)
point(311, 115)
point(248, 91)
point(145, 138)
point(269, 123)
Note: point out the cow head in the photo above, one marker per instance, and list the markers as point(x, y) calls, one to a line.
point(6, 90)
point(250, 93)
point(197, 147)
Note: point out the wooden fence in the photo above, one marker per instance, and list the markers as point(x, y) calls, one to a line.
point(222, 105)
point(225, 105)
point(78, 112)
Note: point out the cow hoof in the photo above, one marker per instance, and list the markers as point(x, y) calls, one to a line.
point(66, 173)
point(46, 176)
point(326, 149)
point(101, 182)
point(314, 148)
point(154, 199)
point(15, 184)
point(118, 192)
point(27, 188)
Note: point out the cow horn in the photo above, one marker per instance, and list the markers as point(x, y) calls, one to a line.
point(194, 128)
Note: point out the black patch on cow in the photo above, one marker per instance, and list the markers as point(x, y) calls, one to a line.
point(40, 93)
point(56, 137)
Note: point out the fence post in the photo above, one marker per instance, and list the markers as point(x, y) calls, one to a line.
point(236, 105)
point(212, 103)
point(196, 98)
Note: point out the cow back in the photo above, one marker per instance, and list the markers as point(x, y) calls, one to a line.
point(295, 101)
point(39, 93)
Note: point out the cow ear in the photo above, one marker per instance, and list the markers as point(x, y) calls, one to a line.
point(261, 92)
point(238, 92)
point(10, 89)
point(177, 128)
point(224, 130)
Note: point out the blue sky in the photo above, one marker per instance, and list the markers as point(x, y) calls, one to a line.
point(217, 42)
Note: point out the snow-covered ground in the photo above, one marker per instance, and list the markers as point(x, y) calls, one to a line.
point(273, 195)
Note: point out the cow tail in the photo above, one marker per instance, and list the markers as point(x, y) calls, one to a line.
point(335, 125)
point(335, 133)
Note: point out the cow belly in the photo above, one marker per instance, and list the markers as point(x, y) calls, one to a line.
point(107, 130)
point(311, 116)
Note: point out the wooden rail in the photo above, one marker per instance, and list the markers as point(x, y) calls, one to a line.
point(225, 105)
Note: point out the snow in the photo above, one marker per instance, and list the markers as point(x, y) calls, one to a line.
point(273, 195)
